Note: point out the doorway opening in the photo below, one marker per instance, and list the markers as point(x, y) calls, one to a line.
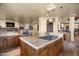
point(49, 26)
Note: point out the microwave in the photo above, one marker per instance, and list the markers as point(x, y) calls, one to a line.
point(10, 24)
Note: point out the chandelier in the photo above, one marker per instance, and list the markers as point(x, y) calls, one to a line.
point(50, 8)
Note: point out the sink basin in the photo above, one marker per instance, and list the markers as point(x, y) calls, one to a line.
point(48, 37)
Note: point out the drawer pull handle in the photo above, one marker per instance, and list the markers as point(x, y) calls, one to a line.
point(54, 45)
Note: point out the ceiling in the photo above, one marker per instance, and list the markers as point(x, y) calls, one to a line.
point(39, 9)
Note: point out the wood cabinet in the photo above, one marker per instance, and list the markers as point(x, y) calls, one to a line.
point(8, 42)
point(43, 51)
point(1, 43)
point(55, 48)
point(67, 36)
point(52, 49)
point(15, 41)
point(27, 50)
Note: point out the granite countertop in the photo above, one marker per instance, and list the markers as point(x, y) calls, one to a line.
point(8, 34)
point(37, 43)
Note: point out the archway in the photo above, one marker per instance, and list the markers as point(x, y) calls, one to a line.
point(49, 26)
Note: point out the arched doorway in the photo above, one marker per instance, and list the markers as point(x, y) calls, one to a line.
point(49, 26)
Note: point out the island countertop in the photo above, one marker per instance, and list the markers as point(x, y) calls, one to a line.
point(37, 43)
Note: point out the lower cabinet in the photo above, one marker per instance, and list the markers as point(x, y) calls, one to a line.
point(67, 36)
point(43, 51)
point(55, 48)
point(8, 42)
point(15, 41)
point(52, 49)
point(27, 50)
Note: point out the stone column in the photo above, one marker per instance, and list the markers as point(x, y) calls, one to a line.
point(55, 25)
point(72, 28)
point(42, 25)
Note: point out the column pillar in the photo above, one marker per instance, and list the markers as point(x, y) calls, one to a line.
point(72, 28)
point(55, 28)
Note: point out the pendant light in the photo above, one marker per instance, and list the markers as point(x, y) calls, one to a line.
point(61, 16)
point(53, 15)
point(49, 8)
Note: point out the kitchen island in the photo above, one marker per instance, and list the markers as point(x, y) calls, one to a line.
point(38, 46)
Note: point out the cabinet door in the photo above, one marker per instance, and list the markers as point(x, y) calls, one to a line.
point(58, 46)
point(52, 50)
point(15, 41)
point(1, 44)
point(27, 50)
point(5, 44)
point(67, 36)
point(23, 49)
point(9, 42)
point(43, 51)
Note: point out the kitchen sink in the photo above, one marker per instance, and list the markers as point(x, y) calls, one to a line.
point(48, 37)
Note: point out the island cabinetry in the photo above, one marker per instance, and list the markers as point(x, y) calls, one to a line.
point(55, 48)
point(43, 51)
point(8, 42)
point(27, 50)
point(52, 49)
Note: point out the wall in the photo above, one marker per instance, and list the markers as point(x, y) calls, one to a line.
point(76, 26)
point(26, 26)
point(16, 24)
point(21, 24)
point(2, 23)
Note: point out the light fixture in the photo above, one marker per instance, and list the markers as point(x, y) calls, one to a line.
point(47, 13)
point(50, 10)
point(74, 14)
point(53, 12)
point(61, 16)
point(51, 7)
